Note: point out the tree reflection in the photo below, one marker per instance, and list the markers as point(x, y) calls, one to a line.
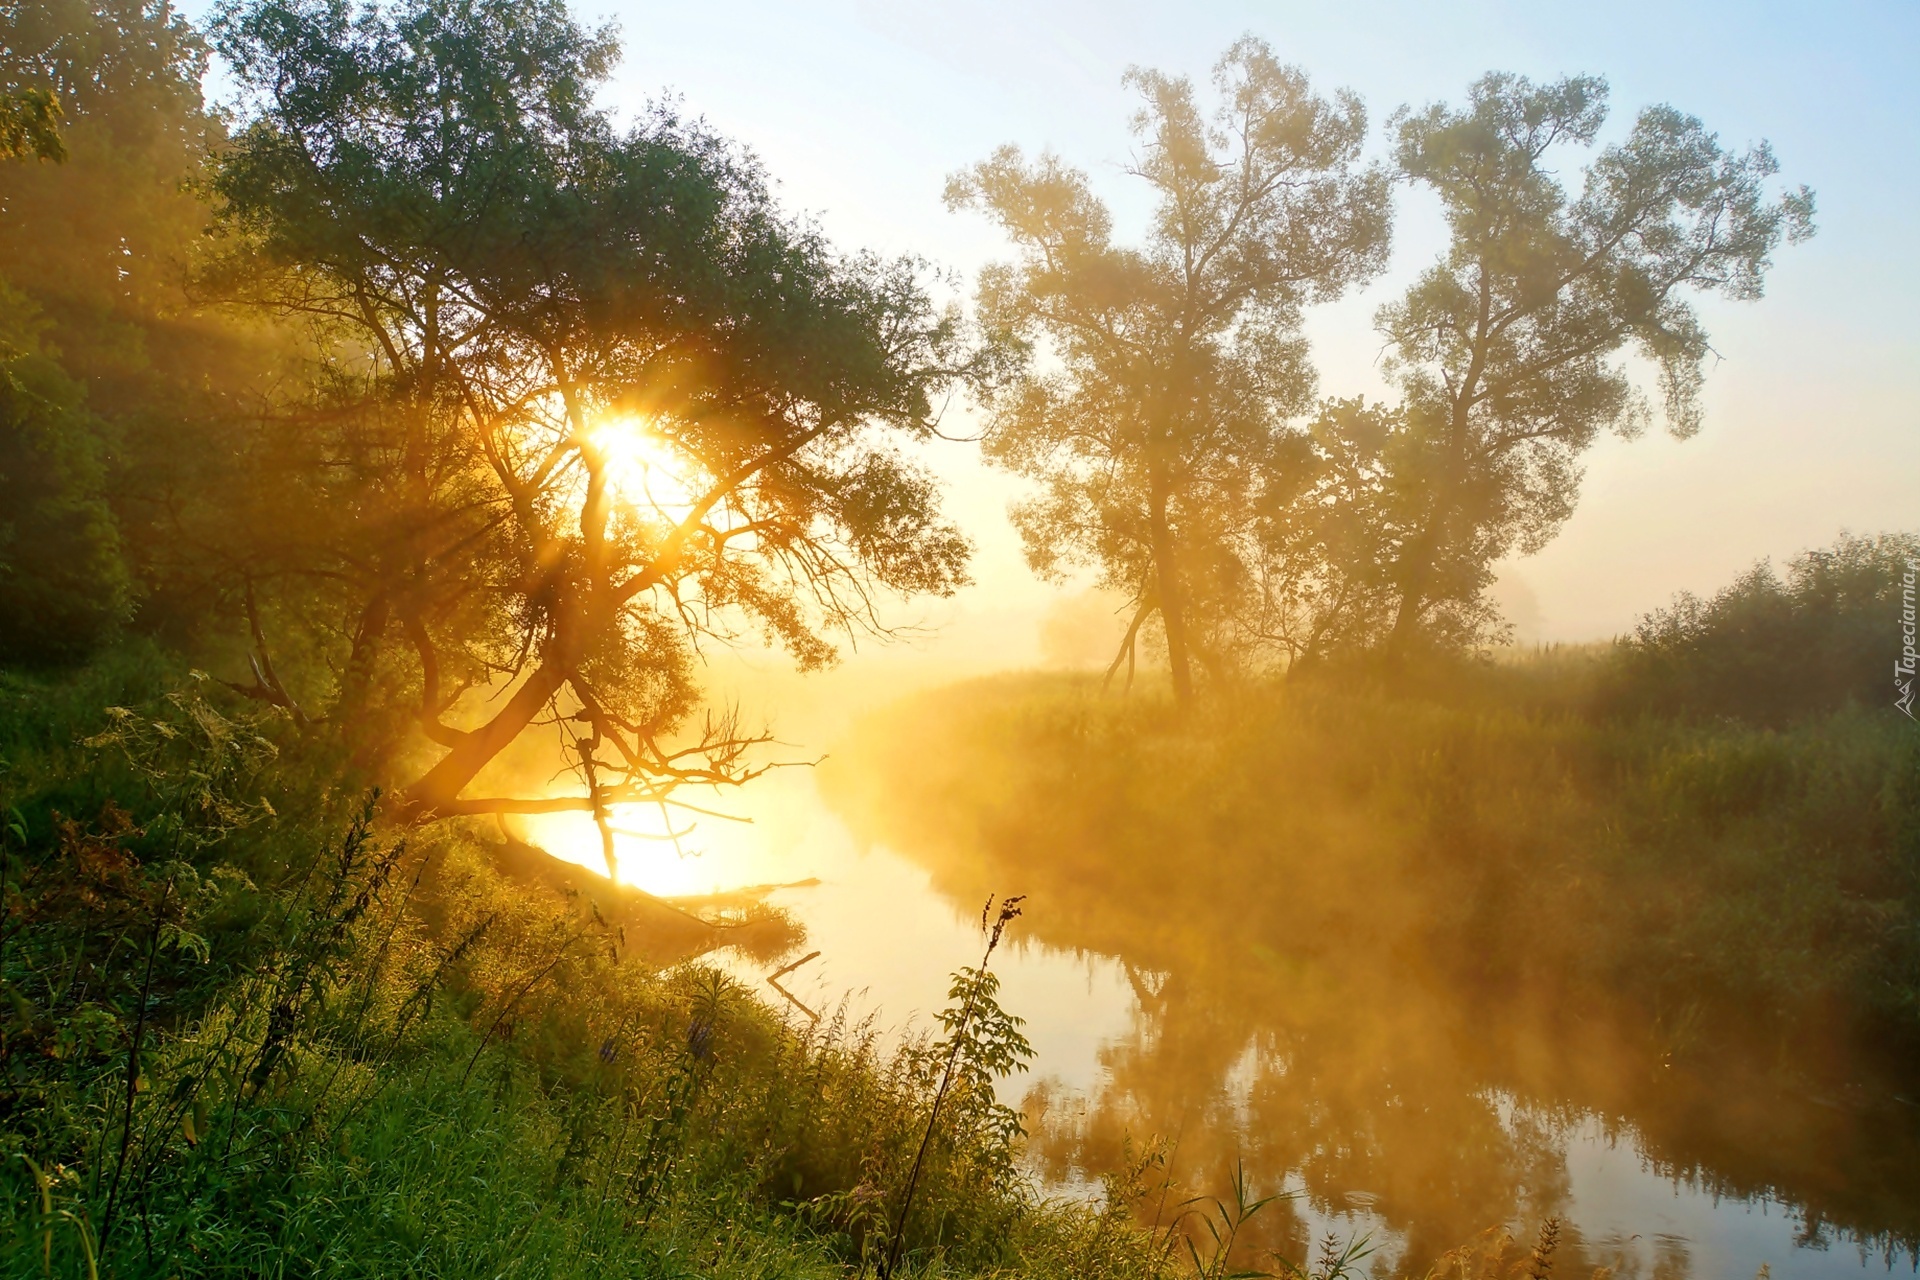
point(1382, 1087)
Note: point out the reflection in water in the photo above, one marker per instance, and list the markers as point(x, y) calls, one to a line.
point(1382, 1093)
point(1397, 1112)
point(888, 941)
point(1378, 1099)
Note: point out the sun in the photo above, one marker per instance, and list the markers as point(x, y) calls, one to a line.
point(643, 468)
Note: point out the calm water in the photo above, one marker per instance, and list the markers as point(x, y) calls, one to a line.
point(1381, 1109)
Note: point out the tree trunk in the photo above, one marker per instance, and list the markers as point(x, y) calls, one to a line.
point(1167, 587)
point(1412, 594)
point(442, 784)
point(1416, 590)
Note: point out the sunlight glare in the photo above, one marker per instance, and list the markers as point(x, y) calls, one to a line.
point(644, 470)
point(712, 856)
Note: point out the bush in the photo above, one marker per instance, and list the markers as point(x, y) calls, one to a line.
point(1769, 651)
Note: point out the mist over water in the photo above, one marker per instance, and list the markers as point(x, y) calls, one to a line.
point(1380, 1098)
point(559, 590)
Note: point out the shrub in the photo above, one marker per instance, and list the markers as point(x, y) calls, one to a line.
point(1769, 650)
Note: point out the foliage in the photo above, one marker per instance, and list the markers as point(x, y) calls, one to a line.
point(588, 396)
point(99, 248)
point(1769, 651)
point(1507, 349)
point(1328, 586)
point(234, 1042)
point(63, 584)
point(1763, 872)
point(1157, 418)
point(99, 242)
point(30, 126)
point(1163, 415)
point(985, 1045)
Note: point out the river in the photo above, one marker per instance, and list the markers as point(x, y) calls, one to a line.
point(1374, 1113)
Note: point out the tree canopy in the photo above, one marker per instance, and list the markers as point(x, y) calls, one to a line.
point(1155, 410)
point(1168, 408)
point(590, 396)
point(1509, 350)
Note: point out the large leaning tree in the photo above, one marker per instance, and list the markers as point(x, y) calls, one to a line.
point(587, 397)
point(1154, 411)
point(1511, 351)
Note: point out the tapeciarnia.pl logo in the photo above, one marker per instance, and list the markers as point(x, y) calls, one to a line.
point(1903, 666)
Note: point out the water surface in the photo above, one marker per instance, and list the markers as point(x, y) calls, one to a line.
point(1377, 1105)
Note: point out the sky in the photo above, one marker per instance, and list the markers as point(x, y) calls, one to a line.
point(860, 109)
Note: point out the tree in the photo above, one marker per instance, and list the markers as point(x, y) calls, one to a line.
point(589, 398)
point(1509, 349)
point(100, 246)
point(91, 87)
point(63, 584)
point(1328, 580)
point(30, 125)
point(100, 242)
point(1155, 415)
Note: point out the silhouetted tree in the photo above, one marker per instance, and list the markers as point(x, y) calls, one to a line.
point(1509, 349)
point(591, 396)
point(1155, 410)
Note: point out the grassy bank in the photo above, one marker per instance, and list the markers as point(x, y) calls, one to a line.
point(1394, 933)
point(252, 1030)
point(1480, 821)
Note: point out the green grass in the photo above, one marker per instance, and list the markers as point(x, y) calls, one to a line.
point(251, 1030)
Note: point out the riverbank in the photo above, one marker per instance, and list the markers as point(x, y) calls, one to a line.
point(254, 1028)
point(1385, 930)
point(1752, 880)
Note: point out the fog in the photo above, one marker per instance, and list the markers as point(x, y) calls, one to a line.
point(965, 639)
point(862, 110)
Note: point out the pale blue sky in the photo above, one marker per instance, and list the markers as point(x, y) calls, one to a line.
point(860, 109)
